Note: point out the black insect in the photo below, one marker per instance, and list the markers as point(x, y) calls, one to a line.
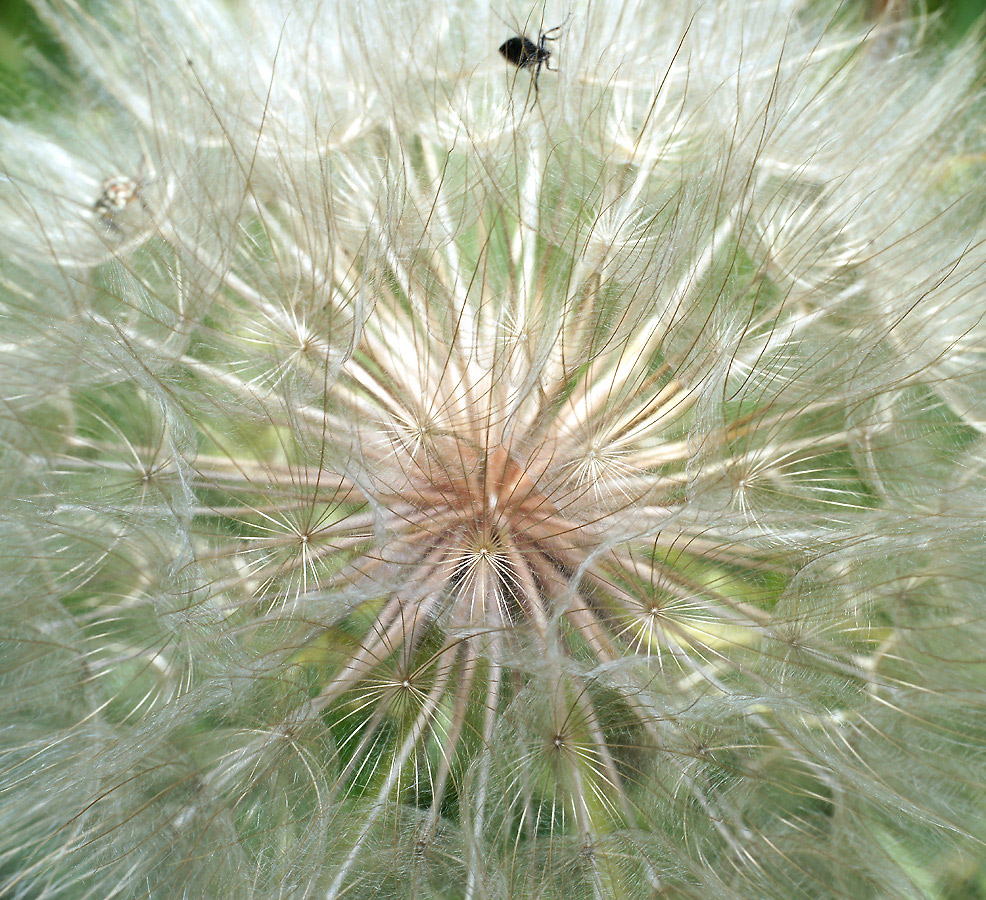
point(525, 54)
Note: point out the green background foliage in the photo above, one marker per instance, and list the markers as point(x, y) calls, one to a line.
point(20, 30)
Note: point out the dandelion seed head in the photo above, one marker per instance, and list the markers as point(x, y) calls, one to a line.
point(441, 488)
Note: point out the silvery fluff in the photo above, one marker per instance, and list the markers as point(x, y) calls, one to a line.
point(417, 485)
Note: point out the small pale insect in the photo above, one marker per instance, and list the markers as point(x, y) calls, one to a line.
point(118, 197)
point(116, 193)
point(522, 52)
